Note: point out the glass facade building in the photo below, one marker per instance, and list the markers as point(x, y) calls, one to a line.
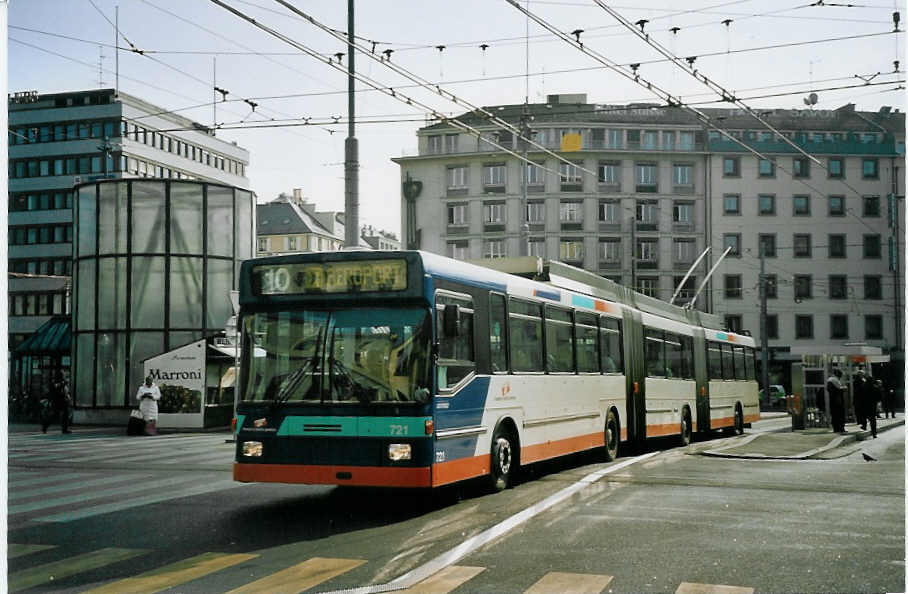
point(154, 262)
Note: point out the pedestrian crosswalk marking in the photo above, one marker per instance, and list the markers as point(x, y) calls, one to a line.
point(71, 486)
point(133, 487)
point(689, 588)
point(106, 508)
point(302, 576)
point(570, 583)
point(29, 480)
point(52, 572)
point(173, 575)
point(445, 580)
point(17, 550)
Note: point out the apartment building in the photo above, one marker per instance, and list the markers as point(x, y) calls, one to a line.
point(62, 139)
point(641, 190)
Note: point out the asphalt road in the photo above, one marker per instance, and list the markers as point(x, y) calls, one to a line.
point(147, 514)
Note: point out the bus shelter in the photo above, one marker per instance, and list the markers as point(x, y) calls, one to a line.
point(809, 400)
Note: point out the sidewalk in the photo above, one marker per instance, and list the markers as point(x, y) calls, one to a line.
point(798, 445)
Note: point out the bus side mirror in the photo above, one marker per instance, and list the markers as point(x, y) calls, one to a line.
point(452, 320)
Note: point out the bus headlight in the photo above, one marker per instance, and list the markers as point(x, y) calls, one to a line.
point(252, 449)
point(398, 451)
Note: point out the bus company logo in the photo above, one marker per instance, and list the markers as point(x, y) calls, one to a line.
point(506, 389)
point(259, 423)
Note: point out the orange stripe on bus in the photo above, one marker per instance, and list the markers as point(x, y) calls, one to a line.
point(360, 476)
point(444, 473)
point(751, 418)
point(551, 449)
point(723, 422)
point(665, 429)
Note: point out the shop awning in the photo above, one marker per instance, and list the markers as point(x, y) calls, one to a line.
point(51, 338)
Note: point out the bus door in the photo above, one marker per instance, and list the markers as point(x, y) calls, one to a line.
point(635, 371)
point(702, 381)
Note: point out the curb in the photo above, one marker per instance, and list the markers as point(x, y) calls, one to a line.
point(837, 441)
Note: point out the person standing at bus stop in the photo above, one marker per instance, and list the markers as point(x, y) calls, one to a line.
point(148, 396)
point(864, 402)
point(836, 400)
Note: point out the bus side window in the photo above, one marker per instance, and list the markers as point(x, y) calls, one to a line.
point(728, 367)
point(714, 360)
point(687, 357)
point(559, 340)
point(497, 335)
point(674, 356)
point(455, 353)
point(655, 354)
point(585, 337)
point(610, 341)
point(751, 365)
point(740, 371)
point(525, 327)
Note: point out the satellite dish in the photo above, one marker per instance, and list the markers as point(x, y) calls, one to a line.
point(811, 99)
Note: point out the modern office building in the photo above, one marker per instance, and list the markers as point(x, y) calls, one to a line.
point(62, 139)
point(646, 189)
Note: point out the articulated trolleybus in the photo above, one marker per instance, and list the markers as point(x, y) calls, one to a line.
point(408, 369)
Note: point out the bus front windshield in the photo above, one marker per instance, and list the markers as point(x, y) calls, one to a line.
point(364, 355)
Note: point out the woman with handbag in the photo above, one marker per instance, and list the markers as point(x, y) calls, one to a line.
point(148, 396)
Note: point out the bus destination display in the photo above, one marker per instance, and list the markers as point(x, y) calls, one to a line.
point(331, 277)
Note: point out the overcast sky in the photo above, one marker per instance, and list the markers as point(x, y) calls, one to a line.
point(191, 35)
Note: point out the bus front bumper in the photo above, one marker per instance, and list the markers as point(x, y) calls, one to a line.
point(360, 476)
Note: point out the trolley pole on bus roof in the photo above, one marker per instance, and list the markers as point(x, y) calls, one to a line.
point(351, 147)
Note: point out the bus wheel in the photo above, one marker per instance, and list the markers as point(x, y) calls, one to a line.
point(504, 460)
point(685, 426)
point(739, 420)
point(612, 437)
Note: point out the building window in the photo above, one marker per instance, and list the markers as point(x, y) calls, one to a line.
point(668, 141)
point(838, 326)
point(766, 242)
point(683, 212)
point(647, 177)
point(731, 167)
point(648, 285)
point(772, 286)
point(647, 212)
point(535, 212)
point(731, 204)
point(733, 286)
point(687, 292)
point(801, 167)
point(536, 248)
point(263, 244)
point(734, 323)
point(650, 140)
point(684, 250)
point(457, 177)
point(871, 206)
point(610, 250)
point(493, 175)
point(803, 326)
point(801, 206)
point(873, 287)
point(873, 327)
point(494, 248)
point(608, 172)
point(836, 167)
point(872, 247)
point(802, 247)
point(766, 168)
point(648, 251)
point(614, 139)
point(733, 241)
point(870, 168)
point(570, 212)
point(459, 250)
point(535, 175)
point(571, 250)
point(838, 286)
point(837, 206)
point(682, 175)
point(803, 286)
point(686, 141)
point(766, 204)
point(451, 143)
point(457, 214)
point(493, 212)
point(772, 326)
point(570, 176)
point(608, 211)
point(291, 244)
point(837, 246)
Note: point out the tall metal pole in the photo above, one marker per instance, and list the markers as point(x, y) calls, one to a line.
point(117, 51)
point(214, 94)
point(524, 239)
point(764, 339)
point(351, 147)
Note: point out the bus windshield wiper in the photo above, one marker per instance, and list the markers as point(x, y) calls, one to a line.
point(294, 379)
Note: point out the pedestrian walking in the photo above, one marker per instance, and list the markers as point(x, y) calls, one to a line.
point(878, 397)
point(58, 405)
point(888, 402)
point(864, 402)
point(836, 400)
point(148, 396)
